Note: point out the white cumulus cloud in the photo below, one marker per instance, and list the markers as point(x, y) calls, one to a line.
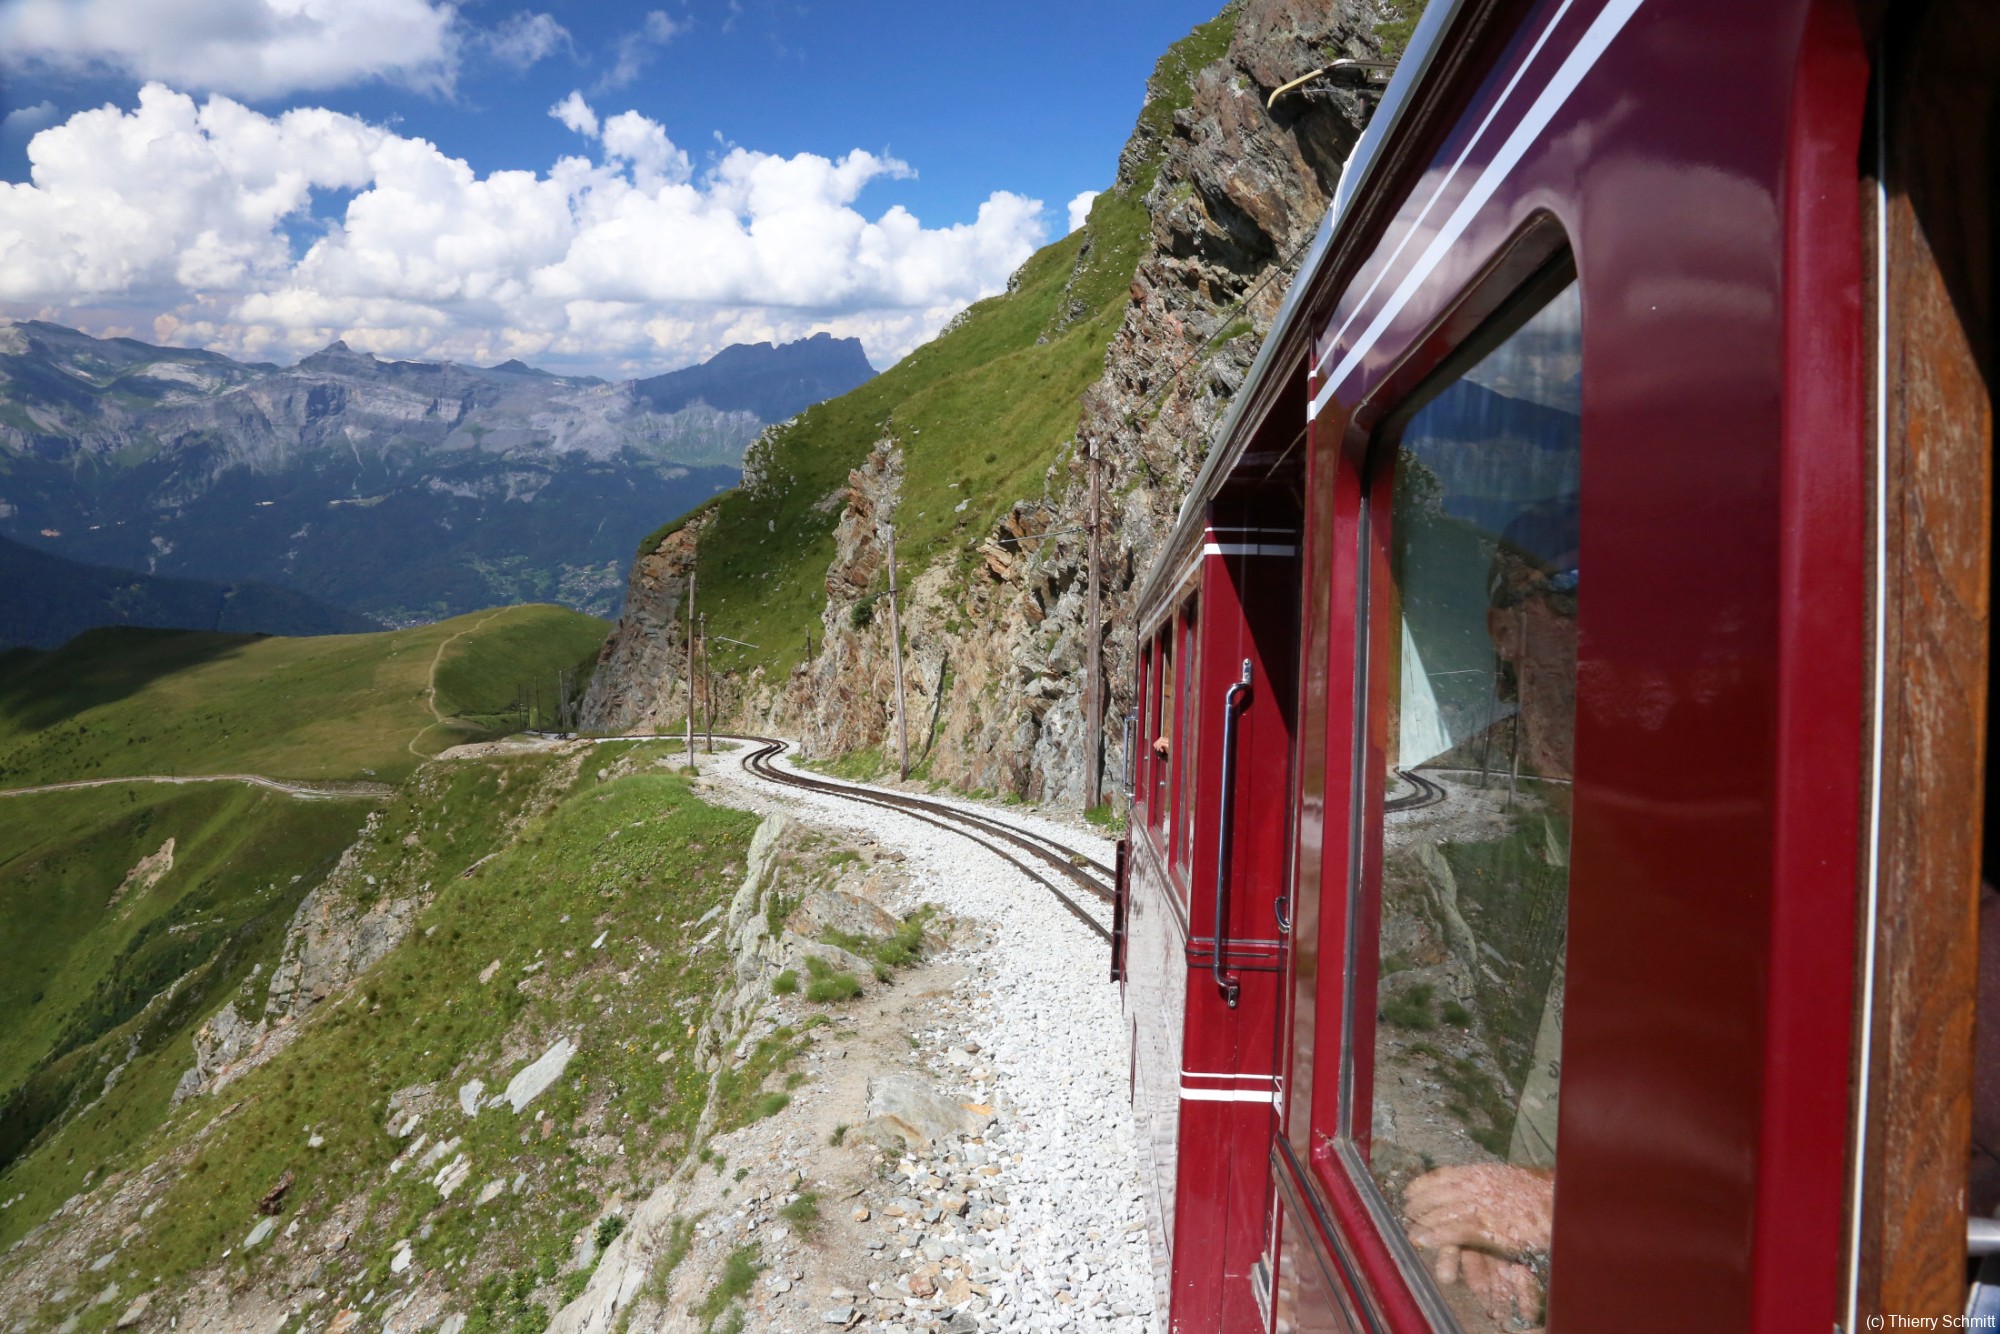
point(574, 112)
point(256, 48)
point(637, 48)
point(526, 38)
point(623, 261)
point(1079, 209)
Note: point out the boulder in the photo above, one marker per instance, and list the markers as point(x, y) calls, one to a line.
point(531, 1081)
point(905, 1112)
point(827, 910)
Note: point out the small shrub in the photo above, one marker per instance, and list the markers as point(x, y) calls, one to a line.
point(769, 1104)
point(839, 1134)
point(803, 1213)
point(608, 1229)
point(785, 983)
point(739, 1271)
point(827, 986)
point(1412, 1009)
point(1456, 1015)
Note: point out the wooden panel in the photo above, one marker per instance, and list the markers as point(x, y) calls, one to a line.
point(1938, 316)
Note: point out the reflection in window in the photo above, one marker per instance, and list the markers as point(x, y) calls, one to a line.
point(1480, 676)
point(1167, 684)
point(1185, 740)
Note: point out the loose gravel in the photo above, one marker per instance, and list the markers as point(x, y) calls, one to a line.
point(1061, 1241)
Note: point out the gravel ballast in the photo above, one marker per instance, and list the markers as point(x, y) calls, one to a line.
point(1058, 1240)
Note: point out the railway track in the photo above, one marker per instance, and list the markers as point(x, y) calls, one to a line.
point(1017, 847)
point(1427, 793)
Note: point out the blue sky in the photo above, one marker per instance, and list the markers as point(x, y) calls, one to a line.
point(389, 171)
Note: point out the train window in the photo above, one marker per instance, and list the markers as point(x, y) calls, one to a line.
point(1160, 727)
point(1186, 738)
point(1475, 695)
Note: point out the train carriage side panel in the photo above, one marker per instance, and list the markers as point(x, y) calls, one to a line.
point(1707, 835)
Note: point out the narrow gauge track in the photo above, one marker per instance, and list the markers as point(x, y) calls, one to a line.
point(1073, 865)
point(1427, 793)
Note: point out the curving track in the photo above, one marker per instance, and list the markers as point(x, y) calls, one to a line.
point(1427, 793)
point(1017, 847)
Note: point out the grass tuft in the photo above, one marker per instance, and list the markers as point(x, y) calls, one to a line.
point(828, 986)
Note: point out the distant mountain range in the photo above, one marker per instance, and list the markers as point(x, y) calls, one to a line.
point(406, 491)
point(50, 600)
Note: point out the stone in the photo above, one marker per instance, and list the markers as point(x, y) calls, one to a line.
point(468, 1096)
point(825, 910)
point(401, 1259)
point(531, 1081)
point(904, 1110)
point(839, 1315)
point(453, 1176)
point(135, 1312)
point(264, 1228)
point(486, 973)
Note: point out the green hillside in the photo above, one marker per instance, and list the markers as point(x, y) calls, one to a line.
point(128, 911)
point(90, 938)
point(118, 702)
point(980, 412)
point(431, 1013)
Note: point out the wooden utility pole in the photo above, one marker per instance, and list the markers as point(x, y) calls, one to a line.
point(689, 745)
point(896, 650)
point(1093, 680)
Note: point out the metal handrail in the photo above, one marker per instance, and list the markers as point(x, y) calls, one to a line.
point(1225, 819)
point(1131, 761)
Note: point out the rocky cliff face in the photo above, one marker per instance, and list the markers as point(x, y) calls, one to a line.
point(994, 656)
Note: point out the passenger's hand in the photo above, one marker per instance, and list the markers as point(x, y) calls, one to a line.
point(1509, 1293)
point(1491, 1207)
point(1484, 1222)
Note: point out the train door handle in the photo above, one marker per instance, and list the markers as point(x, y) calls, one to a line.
point(1225, 821)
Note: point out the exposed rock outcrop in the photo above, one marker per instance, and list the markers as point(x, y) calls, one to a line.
point(641, 678)
point(994, 656)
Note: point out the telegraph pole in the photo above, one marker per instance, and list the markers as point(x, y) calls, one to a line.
point(689, 744)
point(1093, 681)
point(896, 649)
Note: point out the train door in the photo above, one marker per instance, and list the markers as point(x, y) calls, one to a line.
point(1931, 930)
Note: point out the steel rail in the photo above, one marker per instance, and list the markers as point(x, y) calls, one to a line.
point(1065, 859)
point(758, 763)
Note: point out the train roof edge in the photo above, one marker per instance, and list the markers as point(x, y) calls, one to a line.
point(1355, 176)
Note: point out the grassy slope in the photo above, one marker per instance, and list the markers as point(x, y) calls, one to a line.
point(981, 411)
point(77, 992)
point(120, 701)
point(78, 974)
point(423, 1016)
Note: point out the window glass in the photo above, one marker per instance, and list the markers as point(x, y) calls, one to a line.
point(1161, 729)
point(1479, 676)
point(1184, 746)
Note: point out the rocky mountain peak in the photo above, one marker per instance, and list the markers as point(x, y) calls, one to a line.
point(339, 358)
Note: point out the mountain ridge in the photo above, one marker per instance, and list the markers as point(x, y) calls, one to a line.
point(52, 599)
point(399, 489)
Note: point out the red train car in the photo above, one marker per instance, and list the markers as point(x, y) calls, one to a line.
point(1555, 861)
